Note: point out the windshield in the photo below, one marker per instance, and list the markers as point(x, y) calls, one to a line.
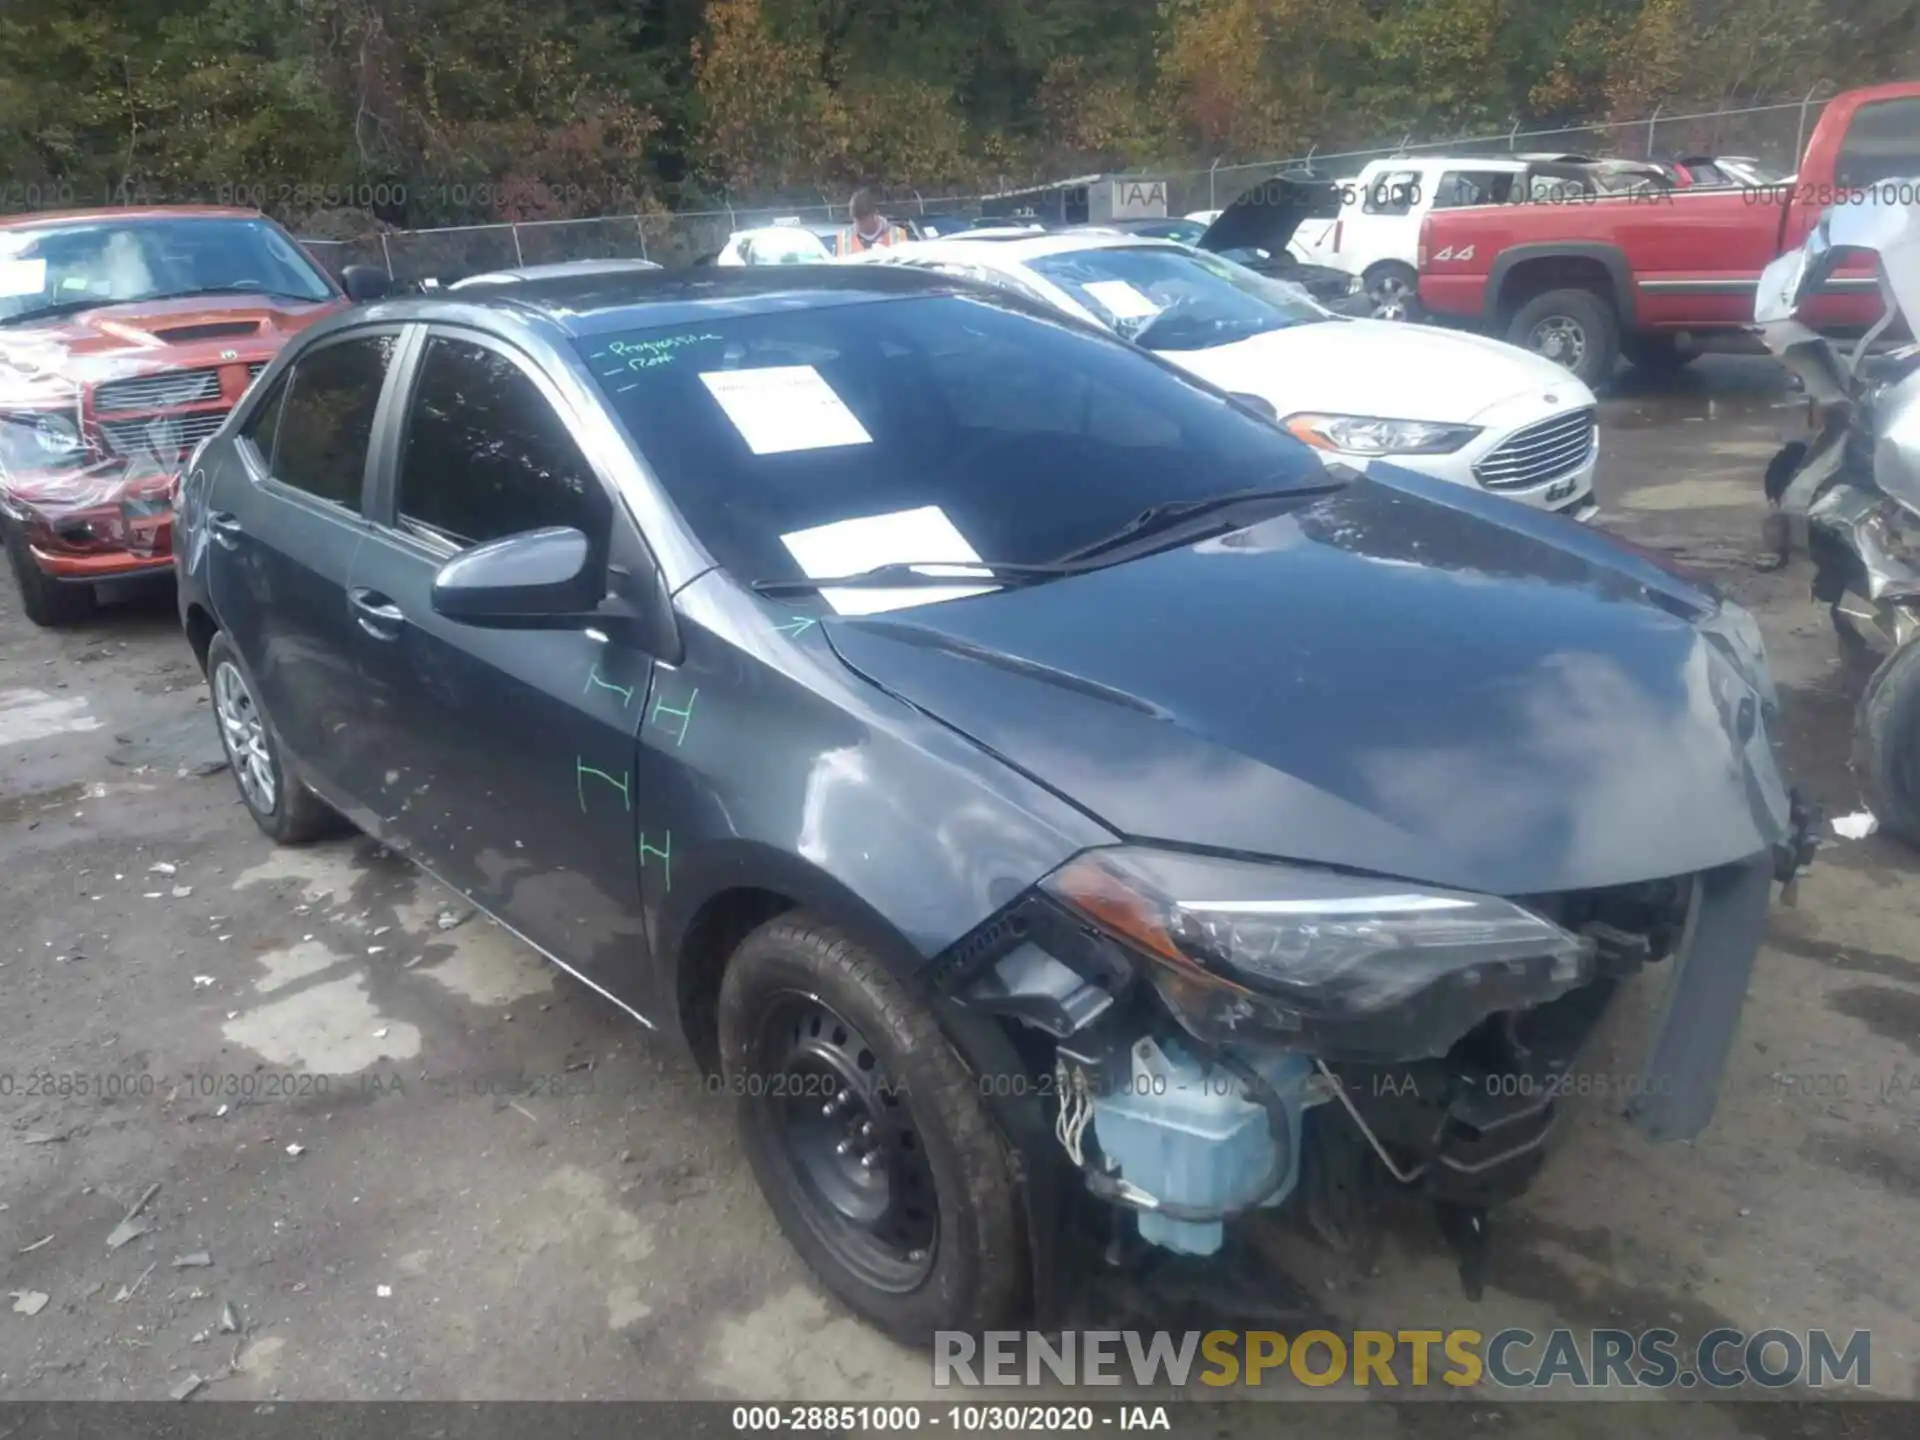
point(107, 262)
point(1168, 299)
point(921, 416)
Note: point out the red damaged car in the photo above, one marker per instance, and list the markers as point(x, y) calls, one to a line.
point(125, 338)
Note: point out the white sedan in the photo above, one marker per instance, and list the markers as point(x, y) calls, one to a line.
point(1459, 407)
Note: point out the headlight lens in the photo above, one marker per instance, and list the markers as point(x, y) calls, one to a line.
point(1341, 963)
point(1369, 435)
point(33, 440)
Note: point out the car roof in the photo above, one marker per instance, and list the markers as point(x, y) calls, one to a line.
point(581, 305)
point(140, 212)
point(528, 273)
point(1019, 250)
point(1498, 163)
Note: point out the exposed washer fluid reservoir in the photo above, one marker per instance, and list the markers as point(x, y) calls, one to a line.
point(1188, 1133)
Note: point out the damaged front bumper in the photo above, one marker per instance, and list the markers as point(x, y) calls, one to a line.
point(100, 523)
point(1188, 1110)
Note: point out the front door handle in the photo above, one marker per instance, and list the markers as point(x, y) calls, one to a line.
point(376, 614)
point(225, 527)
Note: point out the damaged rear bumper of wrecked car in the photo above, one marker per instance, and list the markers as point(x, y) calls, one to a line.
point(1188, 1133)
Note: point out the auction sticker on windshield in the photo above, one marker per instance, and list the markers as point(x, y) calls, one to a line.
point(1123, 302)
point(22, 277)
point(778, 408)
point(847, 547)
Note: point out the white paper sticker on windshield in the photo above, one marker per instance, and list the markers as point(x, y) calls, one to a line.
point(1123, 302)
point(22, 277)
point(785, 407)
point(848, 547)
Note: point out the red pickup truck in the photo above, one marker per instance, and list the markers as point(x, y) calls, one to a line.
point(125, 338)
point(1584, 278)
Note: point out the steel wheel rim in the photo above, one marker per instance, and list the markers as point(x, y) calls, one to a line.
point(1389, 298)
point(244, 734)
point(1559, 338)
point(848, 1142)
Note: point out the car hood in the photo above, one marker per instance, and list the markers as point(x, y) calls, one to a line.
point(1399, 677)
point(1267, 215)
point(49, 362)
point(1383, 368)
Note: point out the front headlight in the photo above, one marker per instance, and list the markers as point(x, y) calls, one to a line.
point(35, 440)
point(1336, 963)
point(1368, 435)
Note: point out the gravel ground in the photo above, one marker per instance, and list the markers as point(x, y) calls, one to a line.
point(309, 1052)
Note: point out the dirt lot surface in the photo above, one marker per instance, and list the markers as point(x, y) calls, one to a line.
point(301, 1049)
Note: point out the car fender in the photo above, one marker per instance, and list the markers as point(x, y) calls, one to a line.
point(1611, 258)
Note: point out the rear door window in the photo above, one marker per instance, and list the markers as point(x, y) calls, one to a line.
point(326, 418)
point(1882, 143)
point(486, 456)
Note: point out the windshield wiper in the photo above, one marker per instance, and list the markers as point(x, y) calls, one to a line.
point(906, 573)
point(1177, 514)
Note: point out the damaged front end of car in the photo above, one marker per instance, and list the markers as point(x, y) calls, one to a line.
point(1215, 1037)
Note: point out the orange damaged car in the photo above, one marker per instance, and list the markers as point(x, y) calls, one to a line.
point(125, 338)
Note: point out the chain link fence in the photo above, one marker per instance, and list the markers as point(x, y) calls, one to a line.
point(1773, 134)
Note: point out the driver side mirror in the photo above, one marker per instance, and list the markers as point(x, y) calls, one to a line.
point(366, 282)
point(546, 579)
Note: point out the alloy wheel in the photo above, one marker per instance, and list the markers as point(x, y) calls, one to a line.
point(243, 732)
point(847, 1138)
point(1390, 296)
point(1561, 339)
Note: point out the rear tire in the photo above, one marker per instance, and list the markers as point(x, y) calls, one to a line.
point(822, 1048)
point(284, 809)
point(49, 603)
point(1886, 744)
point(1393, 290)
point(1573, 328)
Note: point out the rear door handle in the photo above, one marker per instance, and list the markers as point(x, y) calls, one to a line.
point(225, 527)
point(376, 614)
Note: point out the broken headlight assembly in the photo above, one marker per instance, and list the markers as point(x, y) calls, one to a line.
point(1342, 965)
point(36, 441)
point(1733, 631)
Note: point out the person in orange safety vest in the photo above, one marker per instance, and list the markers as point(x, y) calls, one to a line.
point(870, 229)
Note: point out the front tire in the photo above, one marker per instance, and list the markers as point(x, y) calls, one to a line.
point(1886, 743)
point(1573, 328)
point(284, 809)
point(49, 603)
point(868, 1137)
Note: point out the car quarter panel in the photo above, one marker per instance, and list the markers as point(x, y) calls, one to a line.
point(764, 763)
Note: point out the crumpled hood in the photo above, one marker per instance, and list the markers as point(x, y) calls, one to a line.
point(43, 363)
point(1402, 677)
point(1380, 367)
